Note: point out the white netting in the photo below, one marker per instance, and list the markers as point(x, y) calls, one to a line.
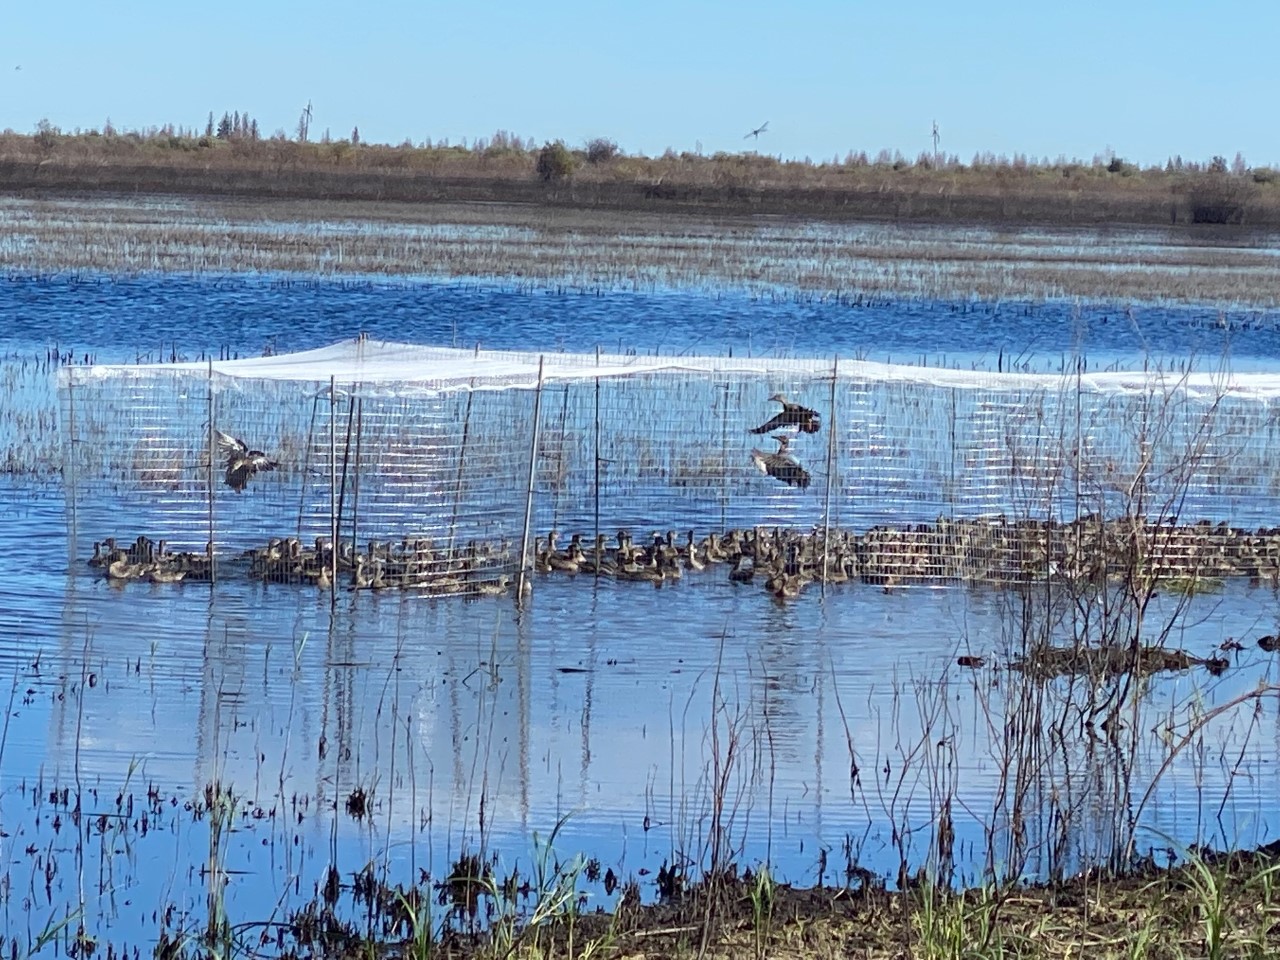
point(920, 473)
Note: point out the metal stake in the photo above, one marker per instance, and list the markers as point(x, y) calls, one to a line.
point(831, 469)
point(333, 488)
point(213, 445)
point(533, 470)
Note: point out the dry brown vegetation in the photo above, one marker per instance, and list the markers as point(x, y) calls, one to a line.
point(507, 169)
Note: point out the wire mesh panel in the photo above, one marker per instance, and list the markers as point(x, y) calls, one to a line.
point(660, 451)
point(133, 451)
point(387, 465)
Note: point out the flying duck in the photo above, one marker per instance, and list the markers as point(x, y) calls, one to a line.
point(792, 415)
point(242, 463)
point(781, 465)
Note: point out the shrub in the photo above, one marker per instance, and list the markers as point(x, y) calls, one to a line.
point(601, 150)
point(554, 161)
point(46, 135)
point(1218, 198)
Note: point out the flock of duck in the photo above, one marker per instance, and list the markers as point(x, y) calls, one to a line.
point(993, 550)
point(785, 561)
point(150, 560)
point(475, 568)
point(987, 550)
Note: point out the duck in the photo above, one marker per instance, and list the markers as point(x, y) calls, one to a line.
point(648, 572)
point(692, 560)
point(541, 557)
point(788, 587)
point(163, 573)
point(242, 462)
point(781, 465)
point(360, 577)
point(711, 549)
point(378, 579)
point(569, 561)
point(792, 415)
point(598, 561)
point(443, 585)
point(122, 568)
point(741, 572)
point(837, 569)
point(492, 588)
point(142, 551)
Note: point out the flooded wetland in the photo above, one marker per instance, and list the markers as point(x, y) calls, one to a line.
point(261, 767)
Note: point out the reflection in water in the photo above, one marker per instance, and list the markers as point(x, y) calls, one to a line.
point(828, 723)
point(832, 724)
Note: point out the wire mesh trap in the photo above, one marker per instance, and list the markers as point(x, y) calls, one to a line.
point(371, 465)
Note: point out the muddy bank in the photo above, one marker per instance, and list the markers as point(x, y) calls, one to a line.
point(1207, 903)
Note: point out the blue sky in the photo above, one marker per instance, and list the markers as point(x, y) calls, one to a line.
point(1045, 79)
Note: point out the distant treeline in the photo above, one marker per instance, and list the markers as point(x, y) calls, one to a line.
point(231, 158)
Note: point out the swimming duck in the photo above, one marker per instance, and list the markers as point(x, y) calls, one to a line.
point(121, 568)
point(242, 463)
point(163, 573)
point(647, 571)
point(360, 577)
point(541, 557)
point(741, 572)
point(570, 561)
point(598, 561)
point(781, 465)
point(103, 553)
point(692, 560)
point(792, 415)
point(712, 550)
point(788, 587)
point(142, 551)
point(492, 588)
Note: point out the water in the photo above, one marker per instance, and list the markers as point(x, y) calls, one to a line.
point(143, 317)
point(839, 721)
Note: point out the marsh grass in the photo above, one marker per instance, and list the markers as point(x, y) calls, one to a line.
point(595, 250)
point(1209, 906)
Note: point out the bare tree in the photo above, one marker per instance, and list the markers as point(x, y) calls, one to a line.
point(304, 123)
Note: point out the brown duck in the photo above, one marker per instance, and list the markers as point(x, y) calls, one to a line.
point(792, 415)
point(242, 463)
point(781, 465)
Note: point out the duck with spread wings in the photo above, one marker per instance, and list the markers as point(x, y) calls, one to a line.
point(781, 465)
point(793, 416)
point(242, 463)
